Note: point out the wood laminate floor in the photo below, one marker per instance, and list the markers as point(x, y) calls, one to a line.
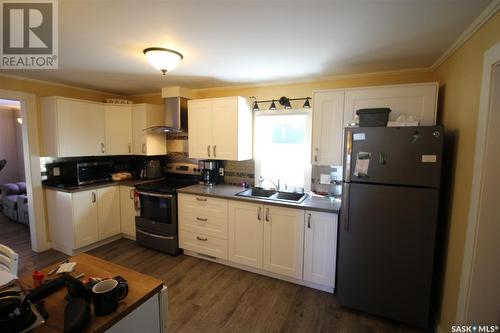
point(208, 297)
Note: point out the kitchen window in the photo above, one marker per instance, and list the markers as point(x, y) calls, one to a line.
point(283, 149)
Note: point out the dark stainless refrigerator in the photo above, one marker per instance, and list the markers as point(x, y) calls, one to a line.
point(388, 220)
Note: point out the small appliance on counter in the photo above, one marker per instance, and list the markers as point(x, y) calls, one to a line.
point(79, 173)
point(209, 172)
point(153, 169)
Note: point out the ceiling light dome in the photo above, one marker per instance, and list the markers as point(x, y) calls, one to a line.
point(163, 59)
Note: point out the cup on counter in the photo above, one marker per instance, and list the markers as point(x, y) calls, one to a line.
point(106, 295)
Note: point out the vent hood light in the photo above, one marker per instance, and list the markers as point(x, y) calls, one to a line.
point(163, 59)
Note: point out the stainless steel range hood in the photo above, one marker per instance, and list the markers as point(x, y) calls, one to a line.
point(176, 114)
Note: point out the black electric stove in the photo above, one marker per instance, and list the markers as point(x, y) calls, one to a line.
point(156, 225)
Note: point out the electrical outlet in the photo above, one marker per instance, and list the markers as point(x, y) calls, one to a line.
point(57, 171)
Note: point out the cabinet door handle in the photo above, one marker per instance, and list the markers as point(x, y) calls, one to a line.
point(309, 221)
point(130, 148)
point(94, 197)
point(259, 214)
point(316, 154)
point(103, 148)
point(144, 148)
point(131, 194)
point(208, 150)
point(201, 239)
point(201, 199)
point(267, 215)
point(215, 150)
point(201, 220)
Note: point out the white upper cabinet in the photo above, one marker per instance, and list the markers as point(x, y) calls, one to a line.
point(328, 123)
point(418, 100)
point(72, 127)
point(320, 248)
point(144, 143)
point(118, 129)
point(220, 128)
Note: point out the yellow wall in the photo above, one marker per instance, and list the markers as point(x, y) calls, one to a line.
point(460, 80)
point(304, 89)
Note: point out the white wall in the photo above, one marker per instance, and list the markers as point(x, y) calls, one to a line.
point(11, 147)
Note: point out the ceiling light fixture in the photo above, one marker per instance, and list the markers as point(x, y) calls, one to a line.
point(284, 101)
point(163, 59)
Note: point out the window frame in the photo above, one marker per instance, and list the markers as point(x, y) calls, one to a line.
point(307, 141)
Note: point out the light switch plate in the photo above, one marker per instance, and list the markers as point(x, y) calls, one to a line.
point(325, 179)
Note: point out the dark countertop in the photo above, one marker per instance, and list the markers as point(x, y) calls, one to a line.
point(73, 189)
point(329, 205)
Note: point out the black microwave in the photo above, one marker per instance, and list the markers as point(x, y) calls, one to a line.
point(82, 173)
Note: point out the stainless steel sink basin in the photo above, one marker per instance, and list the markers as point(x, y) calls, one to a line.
point(273, 195)
point(256, 192)
point(289, 196)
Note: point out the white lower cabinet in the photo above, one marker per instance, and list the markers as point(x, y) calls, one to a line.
point(320, 248)
point(203, 225)
point(246, 233)
point(127, 211)
point(288, 243)
point(80, 219)
point(283, 241)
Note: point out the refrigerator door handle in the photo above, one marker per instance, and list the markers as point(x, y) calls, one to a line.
point(344, 211)
point(348, 157)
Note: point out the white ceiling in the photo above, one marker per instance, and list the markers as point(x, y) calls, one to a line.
point(244, 42)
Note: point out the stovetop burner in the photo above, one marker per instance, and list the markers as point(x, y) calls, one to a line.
point(179, 175)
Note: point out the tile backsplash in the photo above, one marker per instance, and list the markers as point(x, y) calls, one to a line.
point(335, 173)
point(236, 172)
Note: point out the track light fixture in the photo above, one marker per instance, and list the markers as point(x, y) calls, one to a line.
point(284, 101)
point(272, 107)
point(255, 106)
point(306, 104)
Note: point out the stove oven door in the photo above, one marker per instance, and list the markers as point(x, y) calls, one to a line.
point(156, 225)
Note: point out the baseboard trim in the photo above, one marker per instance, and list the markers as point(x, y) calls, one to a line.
point(261, 272)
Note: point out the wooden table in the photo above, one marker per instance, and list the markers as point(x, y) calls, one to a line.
point(141, 288)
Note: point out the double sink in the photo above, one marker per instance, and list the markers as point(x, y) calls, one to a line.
point(260, 193)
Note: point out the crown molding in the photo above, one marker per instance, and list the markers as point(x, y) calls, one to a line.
point(23, 78)
point(321, 79)
point(485, 15)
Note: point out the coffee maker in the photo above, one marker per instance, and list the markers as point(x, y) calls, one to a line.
point(209, 172)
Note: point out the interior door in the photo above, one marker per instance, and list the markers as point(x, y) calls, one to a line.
point(391, 155)
point(386, 250)
point(246, 232)
point(200, 129)
point(225, 129)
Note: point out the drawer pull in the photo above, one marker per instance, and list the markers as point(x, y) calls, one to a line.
point(202, 220)
point(201, 239)
point(201, 199)
point(153, 235)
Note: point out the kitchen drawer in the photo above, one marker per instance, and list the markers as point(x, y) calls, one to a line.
point(204, 244)
point(201, 204)
point(196, 220)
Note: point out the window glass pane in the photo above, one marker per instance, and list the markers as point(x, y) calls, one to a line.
point(280, 149)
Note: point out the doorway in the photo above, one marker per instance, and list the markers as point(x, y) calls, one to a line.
point(479, 303)
point(35, 207)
